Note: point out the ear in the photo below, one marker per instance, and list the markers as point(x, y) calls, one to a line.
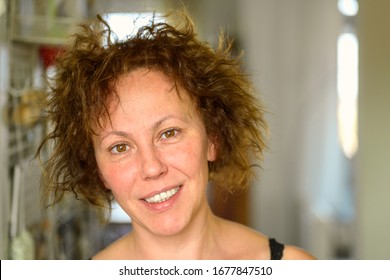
point(211, 150)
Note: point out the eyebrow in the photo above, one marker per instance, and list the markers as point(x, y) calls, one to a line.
point(154, 127)
point(114, 132)
point(161, 121)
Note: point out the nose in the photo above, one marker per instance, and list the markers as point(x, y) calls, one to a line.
point(152, 164)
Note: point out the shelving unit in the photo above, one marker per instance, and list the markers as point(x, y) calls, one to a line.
point(4, 176)
point(68, 230)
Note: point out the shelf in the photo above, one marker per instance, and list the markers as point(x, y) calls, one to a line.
point(43, 30)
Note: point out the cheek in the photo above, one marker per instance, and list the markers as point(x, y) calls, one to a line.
point(190, 159)
point(115, 177)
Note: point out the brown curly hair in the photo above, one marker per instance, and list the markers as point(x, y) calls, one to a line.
point(84, 81)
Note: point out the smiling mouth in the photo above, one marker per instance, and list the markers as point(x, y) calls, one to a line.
point(163, 196)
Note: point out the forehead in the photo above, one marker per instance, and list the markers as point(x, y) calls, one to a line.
point(150, 84)
point(142, 87)
point(145, 80)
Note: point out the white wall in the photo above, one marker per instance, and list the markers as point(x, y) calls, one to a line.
point(291, 51)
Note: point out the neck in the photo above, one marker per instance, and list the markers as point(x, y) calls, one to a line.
point(197, 241)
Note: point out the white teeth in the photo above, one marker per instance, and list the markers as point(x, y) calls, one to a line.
point(158, 198)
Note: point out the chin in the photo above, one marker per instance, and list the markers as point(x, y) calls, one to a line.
point(168, 228)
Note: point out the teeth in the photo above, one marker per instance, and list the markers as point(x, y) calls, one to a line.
point(158, 198)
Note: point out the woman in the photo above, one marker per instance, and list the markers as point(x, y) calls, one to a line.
point(149, 122)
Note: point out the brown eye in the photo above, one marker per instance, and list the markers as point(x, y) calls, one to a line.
point(169, 133)
point(120, 148)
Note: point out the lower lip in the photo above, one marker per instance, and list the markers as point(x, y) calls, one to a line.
point(165, 205)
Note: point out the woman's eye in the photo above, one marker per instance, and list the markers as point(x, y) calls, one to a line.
point(120, 148)
point(169, 133)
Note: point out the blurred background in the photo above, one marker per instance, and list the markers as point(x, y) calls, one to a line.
point(322, 68)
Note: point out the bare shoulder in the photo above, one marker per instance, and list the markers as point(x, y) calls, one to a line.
point(244, 242)
point(251, 244)
point(295, 253)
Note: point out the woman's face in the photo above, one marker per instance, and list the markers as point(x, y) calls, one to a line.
point(153, 153)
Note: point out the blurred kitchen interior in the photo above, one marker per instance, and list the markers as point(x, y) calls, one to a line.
point(323, 69)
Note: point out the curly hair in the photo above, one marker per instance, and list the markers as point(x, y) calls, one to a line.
point(84, 82)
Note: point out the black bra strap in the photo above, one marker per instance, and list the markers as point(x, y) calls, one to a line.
point(276, 249)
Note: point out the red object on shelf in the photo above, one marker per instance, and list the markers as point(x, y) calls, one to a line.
point(49, 54)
